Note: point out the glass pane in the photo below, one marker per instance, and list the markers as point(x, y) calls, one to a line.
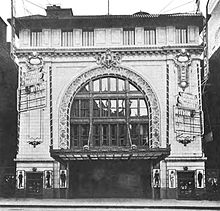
point(84, 88)
point(143, 108)
point(75, 108)
point(121, 85)
point(113, 135)
point(84, 134)
point(122, 135)
point(96, 108)
point(96, 135)
point(75, 134)
point(144, 134)
point(113, 108)
point(121, 107)
point(132, 88)
point(134, 131)
point(104, 84)
point(133, 107)
point(96, 86)
point(113, 84)
point(105, 135)
point(84, 108)
point(104, 104)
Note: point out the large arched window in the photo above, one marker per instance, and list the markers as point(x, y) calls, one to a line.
point(109, 111)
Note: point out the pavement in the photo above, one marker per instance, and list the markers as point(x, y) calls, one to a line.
point(108, 203)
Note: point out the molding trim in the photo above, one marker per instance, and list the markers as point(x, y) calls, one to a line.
point(94, 51)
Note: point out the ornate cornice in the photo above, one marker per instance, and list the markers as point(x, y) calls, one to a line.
point(94, 51)
point(66, 101)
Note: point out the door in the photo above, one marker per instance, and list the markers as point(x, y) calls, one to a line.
point(34, 184)
point(186, 185)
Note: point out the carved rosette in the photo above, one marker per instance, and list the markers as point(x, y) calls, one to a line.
point(65, 106)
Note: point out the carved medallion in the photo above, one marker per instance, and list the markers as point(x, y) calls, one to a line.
point(108, 59)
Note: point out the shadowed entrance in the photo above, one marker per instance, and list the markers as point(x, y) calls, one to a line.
point(110, 179)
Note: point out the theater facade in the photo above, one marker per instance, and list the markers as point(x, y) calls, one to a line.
point(110, 105)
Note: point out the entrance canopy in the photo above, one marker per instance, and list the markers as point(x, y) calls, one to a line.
point(125, 153)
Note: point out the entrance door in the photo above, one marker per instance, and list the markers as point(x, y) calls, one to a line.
point(34, 184)
point(110, 179)
point(186, 185)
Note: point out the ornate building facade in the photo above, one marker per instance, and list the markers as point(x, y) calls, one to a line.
point(110, 106)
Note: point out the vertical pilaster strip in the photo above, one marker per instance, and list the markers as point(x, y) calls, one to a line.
point(51, 107)
point(167, 103)
point(18, 104)
point(200, 96)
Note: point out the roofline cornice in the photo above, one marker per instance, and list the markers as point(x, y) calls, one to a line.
point(128, 51)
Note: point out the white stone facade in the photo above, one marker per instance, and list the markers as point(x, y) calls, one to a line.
point(64, 66)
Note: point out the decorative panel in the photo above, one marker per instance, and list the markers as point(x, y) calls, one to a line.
point(139, 38)
point(100, 36)
point(56, 37)
point(77, 37)
point(46, 37)
point(161, 35)
point(116, 36)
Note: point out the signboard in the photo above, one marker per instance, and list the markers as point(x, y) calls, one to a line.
point(187, 100)
point(32, 92)
point(187, 121)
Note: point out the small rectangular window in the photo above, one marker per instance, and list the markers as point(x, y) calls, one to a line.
point(75, 108)
point(104, 108)
point(149, 36)
point(96, 135)
point(36, 38)
point(75, 134)
point(133, 107)
point(122, 134)
point(84, 108)
point(121, 107)
point(96, 108)
point(113, 107)
point(128, 37)
point(181, 36)
point(67, 38)
point(88, 38)
point(113, 134)
point(105, 132)
point(84, 134)
point(143, 108)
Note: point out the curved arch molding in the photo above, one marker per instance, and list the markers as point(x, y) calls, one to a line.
point(66, 101)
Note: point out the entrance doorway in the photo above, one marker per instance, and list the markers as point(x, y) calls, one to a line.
point(110, 179)
point(34, 184)
point(186, 185)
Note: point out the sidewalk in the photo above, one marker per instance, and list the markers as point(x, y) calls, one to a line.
point(109, 203)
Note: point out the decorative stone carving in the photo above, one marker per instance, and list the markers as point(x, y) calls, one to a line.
point(183, 61)
point(108, 59)
point(34, 142)
point(65, 106)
